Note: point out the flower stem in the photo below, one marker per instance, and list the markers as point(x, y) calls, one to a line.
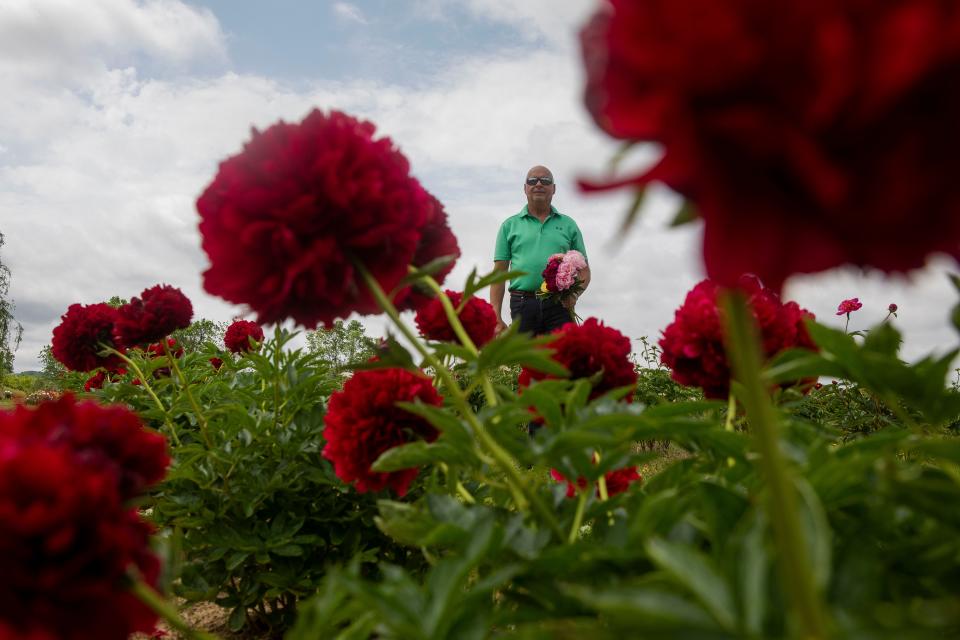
point(201, 419)
point(797, 579)
point(143, 383)
point(523, 496)
point(578, 516)
point(147, 595)
point(454, 319)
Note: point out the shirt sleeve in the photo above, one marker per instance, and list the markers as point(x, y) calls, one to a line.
point(577, 242)
point(502, 249)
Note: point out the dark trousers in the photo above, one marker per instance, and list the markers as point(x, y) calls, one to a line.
point(536, 315)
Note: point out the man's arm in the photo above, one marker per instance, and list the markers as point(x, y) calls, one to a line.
point(497, 292)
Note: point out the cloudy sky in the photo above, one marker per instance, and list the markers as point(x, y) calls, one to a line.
point(116, 112)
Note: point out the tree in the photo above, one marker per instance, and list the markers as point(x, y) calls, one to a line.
point(199, 333)
point(11, 331)
point(342, 344)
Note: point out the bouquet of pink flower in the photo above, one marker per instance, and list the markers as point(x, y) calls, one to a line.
point(561, 277)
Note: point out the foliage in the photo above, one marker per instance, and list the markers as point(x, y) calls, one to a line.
point(696, 551)
point(199, 333)
point(341, 345)
point(10, 330)
point(254, 511)
point(21, 382)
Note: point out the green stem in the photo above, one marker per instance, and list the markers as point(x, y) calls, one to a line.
point(454, 319)
point(744, 351)
point(276, 379)
point(148, 596)
point(143, 383)
point(731, 411)
point(466, 495)
point(523, 496)
point(201, 419)
point(578, 516)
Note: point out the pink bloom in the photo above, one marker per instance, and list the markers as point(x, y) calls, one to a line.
point(849, 306)
point(573, 261)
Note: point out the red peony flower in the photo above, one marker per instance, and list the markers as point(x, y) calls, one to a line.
point(617, 481)
point(216, 363)
point(363, 421)
point(284, 220)
point(110, 437)
point(477, 317)
point(808, 135)
point(586, 350)
point(157, 351)
point(158, 312)
point(693, 343)
point(550, 272)
point(436, 241)
point(69, 541)
point(83, 332)
point(95, 381)
point(238, 335)
point(892, 308)
point(849, 306)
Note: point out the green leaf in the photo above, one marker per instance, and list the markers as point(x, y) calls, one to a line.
point(431, 268)
point(418, 454)
point(288, 550)
point(685, 215)
point(884, 340)
point(641, 606)
point(697, 572)
point(443, 420)
point(497, 275)
point(238, 618)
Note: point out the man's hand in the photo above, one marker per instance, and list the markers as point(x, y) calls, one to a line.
point(501, 326)
point(569, 302)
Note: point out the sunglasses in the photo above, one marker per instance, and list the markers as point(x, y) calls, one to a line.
point(545, 181)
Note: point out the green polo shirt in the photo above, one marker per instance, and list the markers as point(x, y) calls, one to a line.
point(528, 244)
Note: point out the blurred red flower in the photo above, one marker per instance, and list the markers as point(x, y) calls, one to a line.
point(285, 221)
point(436, 241)
point(68, 539)
point(586, 350)
point(363, 421)
point(95, 381)
point(617, 481)
point(693, 343)
point(807, 134)
point(238, 335)
point(216, 363)
point(158, 312)
point(477, 317)
point(156, 349)
point(82, 333)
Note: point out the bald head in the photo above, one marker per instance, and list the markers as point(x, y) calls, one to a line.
point(539, 195)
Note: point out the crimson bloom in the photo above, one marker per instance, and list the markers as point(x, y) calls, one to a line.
point(617, 481)
point(83, 332)
point(363, 421)
point(69, 540)
point(216, 363)
point(586, 350)
point(477, 317)
point(286, 221)
point(807, 134)
point(95, 381)
point(436, 241)
point(239, 333)
point(157, 350)
point(693, 343)
point(892, 308)
point(158, 312)
point(550, 272)
point(849, 306)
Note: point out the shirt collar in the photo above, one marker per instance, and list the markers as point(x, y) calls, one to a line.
point(526, 212)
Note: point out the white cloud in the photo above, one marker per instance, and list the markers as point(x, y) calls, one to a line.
point(98, 184)
point(349, 12)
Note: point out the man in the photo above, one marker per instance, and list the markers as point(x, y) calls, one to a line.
point(524, 243)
